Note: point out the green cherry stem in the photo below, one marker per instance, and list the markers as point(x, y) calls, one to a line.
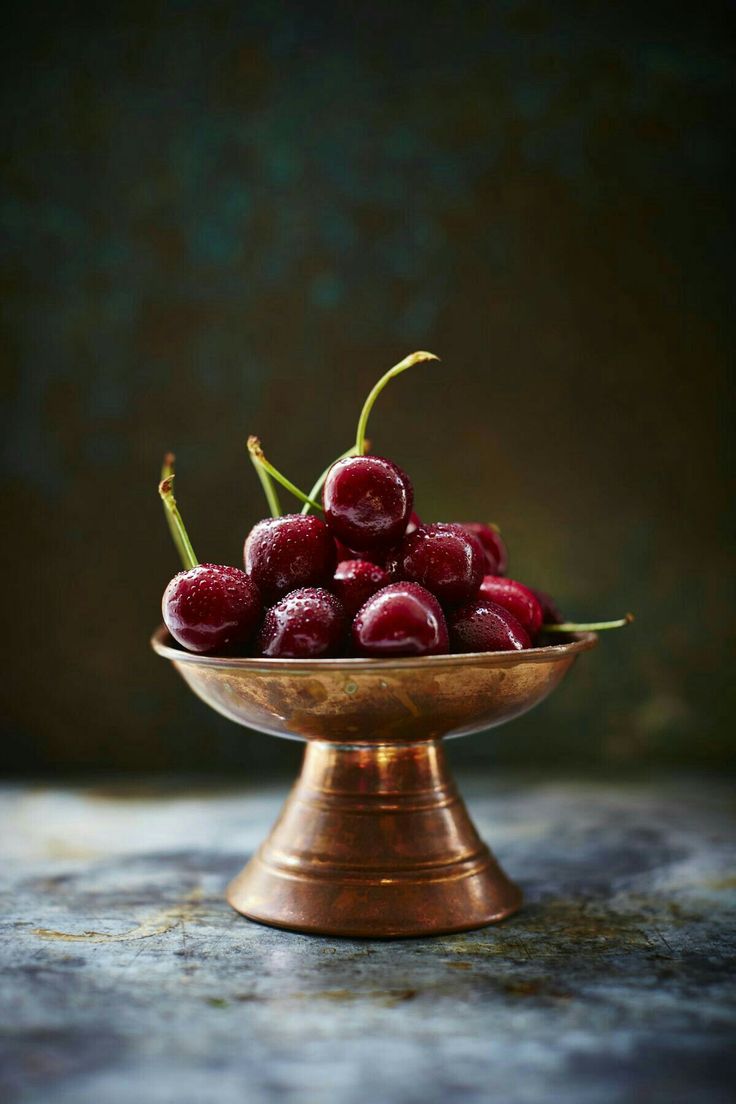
point(258, 458)
point(589, 626)
point(181, 537)
point(265, 480)
point(407, 362)
point(320, 482)
point(167, 469)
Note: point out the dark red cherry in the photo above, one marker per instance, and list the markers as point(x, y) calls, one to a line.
point(367, 502)
point(211, 608)
point(444, 558)
point(305, 624)
point(283, 553)
point(403, 619)
point(482, 626)
point(516, 598)
point(497, 557)
point(550, 611)
point(355, 581)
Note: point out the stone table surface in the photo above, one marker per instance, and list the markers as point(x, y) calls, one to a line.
point(126, 977)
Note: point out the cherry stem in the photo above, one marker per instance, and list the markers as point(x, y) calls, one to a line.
point(407, 362)
point(167, 469)
point(590, 626)
point(179, 533)
point(266, 482)
point(321, 481)
point(258, 458)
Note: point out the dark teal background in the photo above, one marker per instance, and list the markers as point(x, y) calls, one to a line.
point(223, 218)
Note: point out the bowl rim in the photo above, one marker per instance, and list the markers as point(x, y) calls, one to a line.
point(163, 644)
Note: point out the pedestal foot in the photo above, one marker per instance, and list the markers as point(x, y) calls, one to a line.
point(374, 841)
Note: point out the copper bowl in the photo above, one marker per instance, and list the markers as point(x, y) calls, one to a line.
point(374, 839)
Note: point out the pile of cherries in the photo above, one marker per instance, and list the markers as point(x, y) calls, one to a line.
point(367, 579)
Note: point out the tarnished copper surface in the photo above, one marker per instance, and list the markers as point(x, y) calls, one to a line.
point(374, 839)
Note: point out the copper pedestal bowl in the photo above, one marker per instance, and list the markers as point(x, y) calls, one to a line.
point(374, 839)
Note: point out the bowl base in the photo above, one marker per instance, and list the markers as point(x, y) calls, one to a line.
point(374, 841)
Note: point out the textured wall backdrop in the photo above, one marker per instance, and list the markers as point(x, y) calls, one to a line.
point(227, 217)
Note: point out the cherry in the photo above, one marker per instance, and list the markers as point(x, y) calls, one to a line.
point(206, 607)
point(514, 597)
point(305, 624)
point(497, 557)
point(444, 558)
point(295, 550)
point(403, 619)
point(368, 499)
point(211, 608)
point(355, 581)
point(367, 502)
point(483, 626)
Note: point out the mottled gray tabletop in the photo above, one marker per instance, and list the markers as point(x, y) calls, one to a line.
point(128, 980)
